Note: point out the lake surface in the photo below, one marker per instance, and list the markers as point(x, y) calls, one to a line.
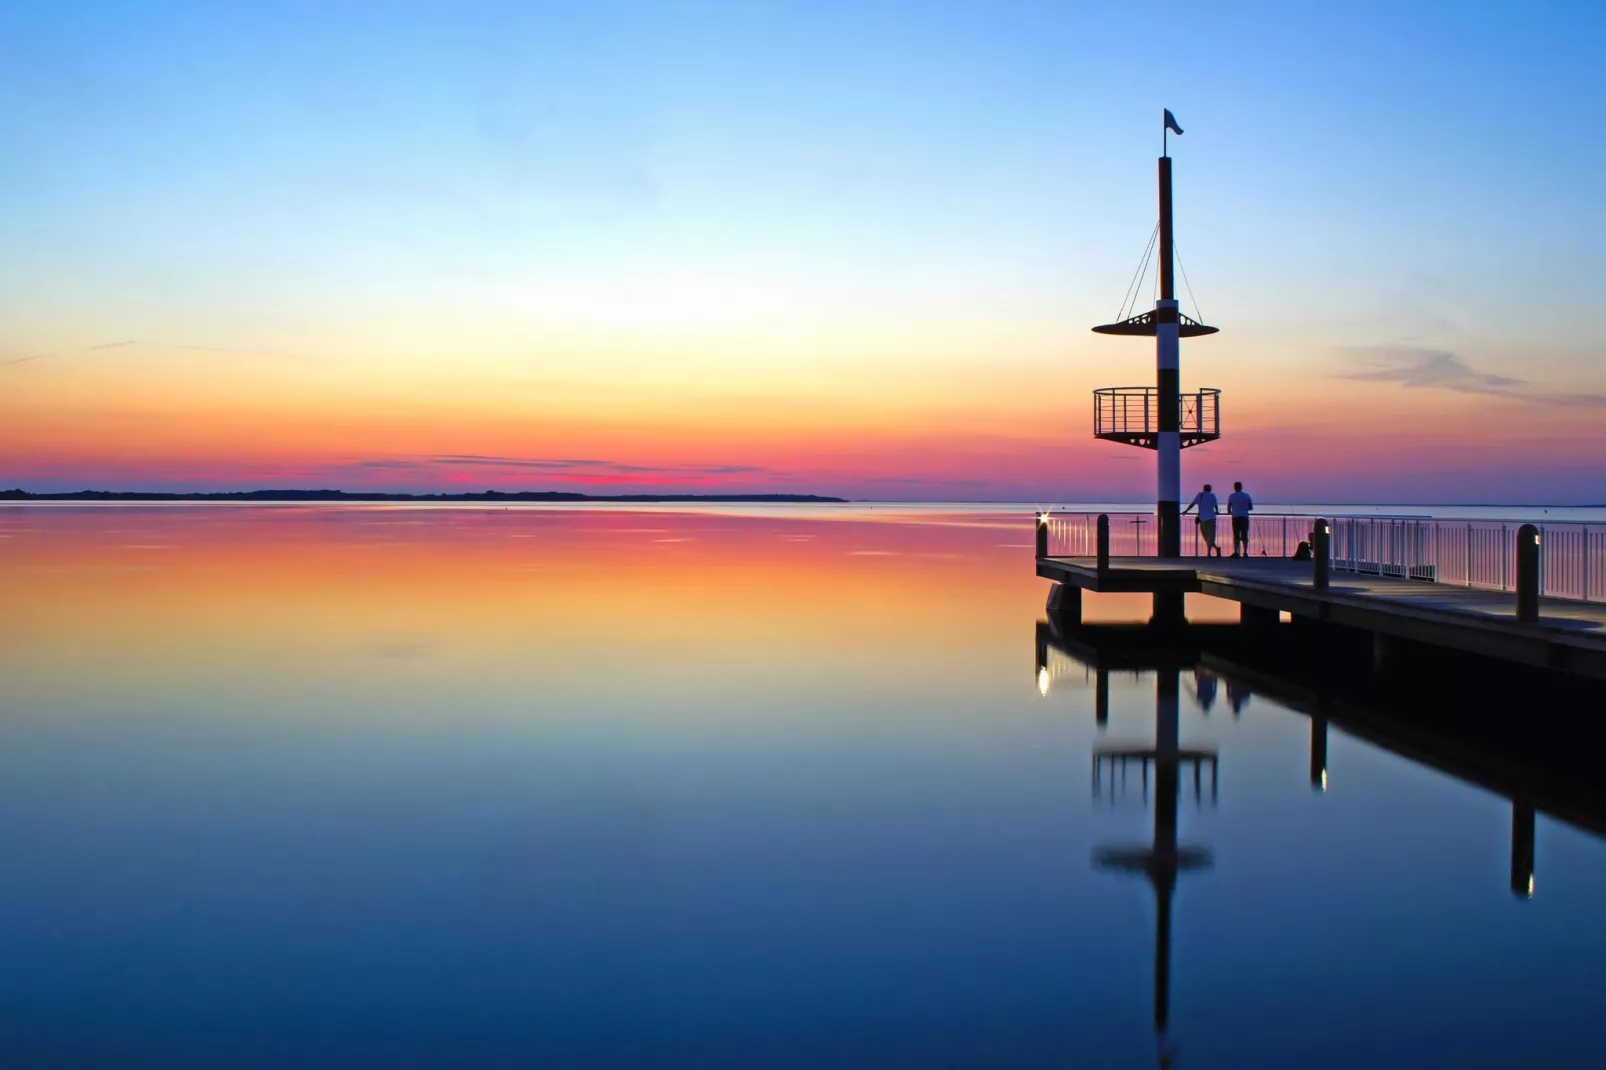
point(765, 787)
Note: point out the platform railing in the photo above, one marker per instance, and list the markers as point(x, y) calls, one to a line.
point(1464, 553)
point(1135, 411)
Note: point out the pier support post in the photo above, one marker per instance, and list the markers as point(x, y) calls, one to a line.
point(1528, 574)
point(1321, 552)
point(1102, 546)
point(1169, 611)
point(1101, 697)
point(1257, 617)
point(1385, 650)
point(1522, 849)
point(1065, 605)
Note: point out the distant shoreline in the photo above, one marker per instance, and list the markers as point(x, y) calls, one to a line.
point(17, 495)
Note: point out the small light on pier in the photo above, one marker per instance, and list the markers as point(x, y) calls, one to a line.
point(1530, 886)
point(1324, 780)
point(1042, 519)
point(1042, 681)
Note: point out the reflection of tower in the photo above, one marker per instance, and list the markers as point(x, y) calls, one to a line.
point(1163, 858)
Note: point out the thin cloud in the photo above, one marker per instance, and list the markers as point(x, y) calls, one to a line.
point(155, 345)
point(573, 464)
point(569, 466)
point(60, 352)
point(1440, 369)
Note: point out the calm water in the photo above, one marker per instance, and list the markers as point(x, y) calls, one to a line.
point(403, 787)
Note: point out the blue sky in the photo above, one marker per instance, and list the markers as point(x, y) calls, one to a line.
point(963, 183)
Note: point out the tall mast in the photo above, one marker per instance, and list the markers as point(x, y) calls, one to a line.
point(1154, 417)
point(1168, 441)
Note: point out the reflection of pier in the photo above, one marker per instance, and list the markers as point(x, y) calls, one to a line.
point(1536, 778)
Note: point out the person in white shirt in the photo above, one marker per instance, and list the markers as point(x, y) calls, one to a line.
point(1240, 505)
point(1208, 507)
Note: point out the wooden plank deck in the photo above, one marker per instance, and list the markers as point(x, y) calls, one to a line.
point(1569, 636)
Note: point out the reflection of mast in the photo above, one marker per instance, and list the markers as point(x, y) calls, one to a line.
point(1164, 858)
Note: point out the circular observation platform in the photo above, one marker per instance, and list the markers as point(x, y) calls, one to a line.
point(1131, 415)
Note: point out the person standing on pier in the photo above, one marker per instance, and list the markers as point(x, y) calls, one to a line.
point(1239, 506)
point(1205, 501)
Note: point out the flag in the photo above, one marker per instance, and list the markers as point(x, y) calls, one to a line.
point(1171, 122)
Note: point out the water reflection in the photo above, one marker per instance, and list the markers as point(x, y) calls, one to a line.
point(1206, 653)
point(383, 787)
point(1163, 858)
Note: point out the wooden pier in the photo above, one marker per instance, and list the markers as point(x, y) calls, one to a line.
point(1568, 636)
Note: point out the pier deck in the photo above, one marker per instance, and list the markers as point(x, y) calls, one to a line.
point(1569, 636)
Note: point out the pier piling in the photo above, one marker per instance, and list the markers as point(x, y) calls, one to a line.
point(1257, 617)
point(1065, 604)
point(1528, 574)
point(1321, 552)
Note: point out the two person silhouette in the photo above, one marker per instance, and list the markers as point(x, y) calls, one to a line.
point(1239, 506)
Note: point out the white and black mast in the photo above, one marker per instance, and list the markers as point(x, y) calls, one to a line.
point(1161, 418)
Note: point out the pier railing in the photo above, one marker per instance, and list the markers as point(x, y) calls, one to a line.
point(1474, 553)
point(1132, 534)
point(1462, 553)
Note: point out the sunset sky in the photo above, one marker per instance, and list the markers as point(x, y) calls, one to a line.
point(842, 248)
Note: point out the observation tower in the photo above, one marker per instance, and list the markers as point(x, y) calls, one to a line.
point(1160, 417)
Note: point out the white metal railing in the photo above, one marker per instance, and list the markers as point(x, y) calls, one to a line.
point(1132, 534)
point(1076, 534)
point(1464, 553)
point(1474, 553)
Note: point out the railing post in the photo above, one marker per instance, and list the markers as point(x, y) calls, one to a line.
point(1528, 573)
point(1321, 546)
point(1103, 544)
point(1541, 587)
point(1042, 535)
point(1505, 566)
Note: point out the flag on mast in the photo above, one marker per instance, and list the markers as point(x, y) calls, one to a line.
point(1171, 122)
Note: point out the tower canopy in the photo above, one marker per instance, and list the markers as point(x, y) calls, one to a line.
point(1146, 324)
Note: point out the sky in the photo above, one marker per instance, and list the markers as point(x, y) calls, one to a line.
point(836, 248)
